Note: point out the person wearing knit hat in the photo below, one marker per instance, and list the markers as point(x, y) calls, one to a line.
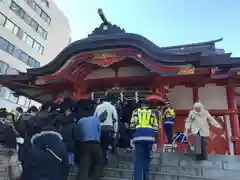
point(198, 124)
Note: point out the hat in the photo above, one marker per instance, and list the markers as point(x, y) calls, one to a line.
point(198, 105)
point(167, 103)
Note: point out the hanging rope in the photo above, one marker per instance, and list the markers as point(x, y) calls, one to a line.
point(121, 97)
point(136, 96)
point(92, 95)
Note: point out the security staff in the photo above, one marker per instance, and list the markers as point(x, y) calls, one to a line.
point(169, 118)
point(144, 120)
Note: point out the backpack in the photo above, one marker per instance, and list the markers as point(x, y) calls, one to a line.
point(103, 116)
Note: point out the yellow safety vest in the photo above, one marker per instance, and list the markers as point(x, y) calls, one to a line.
point(146, 118)
point(169, 112)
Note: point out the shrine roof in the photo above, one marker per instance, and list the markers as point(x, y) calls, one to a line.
point(110, 37)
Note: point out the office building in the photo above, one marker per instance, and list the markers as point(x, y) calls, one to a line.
point(32, 33)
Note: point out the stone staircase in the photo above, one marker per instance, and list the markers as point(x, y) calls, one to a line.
point(170, 166)
point(176, 166)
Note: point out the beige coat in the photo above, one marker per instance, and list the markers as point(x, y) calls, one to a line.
point(199, 122)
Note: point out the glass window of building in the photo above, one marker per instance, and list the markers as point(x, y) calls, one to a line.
point(36, 45)
point(12, 71)
point(41, 49)
point(31, 3)
point(3, 44)
point(2, 20)
point(10, 48)
point(34, 24)
point(24, 57)
point(9, 25)
point(15, 30)
point(31, 62)
point(27, 19)
point(20, 34)
point(3, 67)
point(17, 10)
point(37, 64)
point(41, 31)
point(38, 10)
point(46, 17)
point(16, 53)
point(29, 40)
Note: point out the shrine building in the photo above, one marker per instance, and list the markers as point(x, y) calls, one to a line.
point(110, 57)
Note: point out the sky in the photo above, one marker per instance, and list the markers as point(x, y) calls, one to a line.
point(165, 22)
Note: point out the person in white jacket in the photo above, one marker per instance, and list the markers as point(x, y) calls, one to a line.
point(107, 114)
point(198, 124)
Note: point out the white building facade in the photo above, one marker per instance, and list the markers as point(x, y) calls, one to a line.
point(32, 33)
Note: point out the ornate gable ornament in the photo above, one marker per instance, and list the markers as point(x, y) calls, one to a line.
point(106, 27)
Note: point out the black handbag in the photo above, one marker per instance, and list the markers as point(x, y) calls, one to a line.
point(194, 148)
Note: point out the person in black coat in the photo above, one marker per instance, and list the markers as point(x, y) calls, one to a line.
point(8, 133)
point(48, 157)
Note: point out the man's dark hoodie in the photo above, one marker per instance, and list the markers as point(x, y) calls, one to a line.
point(48, 158)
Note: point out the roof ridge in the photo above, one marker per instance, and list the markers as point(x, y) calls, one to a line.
point(194, 44)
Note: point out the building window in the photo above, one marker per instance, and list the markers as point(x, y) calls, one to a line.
point(38, 10)
point(3, 44)
point(46, 17)
point(34, 24)
point(3, 67)
point(27, 19)
point(24, 57)
point(46, 3)
point(30, 21)
point(9, 25)
point(36, 45)
point(41, 31)
point(10, 48)
point(24, 36)
point(12, 71)
point(17, 10)
point(16, 52)
point(28, 39)
point(31, 3)
point(41, 49)
point(37, 64)
point(2, 20)
point(20, 34)
point(31, 62)
point(12, 27)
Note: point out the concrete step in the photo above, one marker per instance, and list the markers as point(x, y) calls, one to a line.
point(181, 170)
point(128, 174)
point(180, 159)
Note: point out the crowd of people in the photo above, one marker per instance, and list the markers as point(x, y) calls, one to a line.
point(51, 141)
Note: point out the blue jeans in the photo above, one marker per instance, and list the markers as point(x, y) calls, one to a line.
point(142, 160)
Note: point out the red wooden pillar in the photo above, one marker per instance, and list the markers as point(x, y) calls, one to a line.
point(195, 94)
point(232, 106)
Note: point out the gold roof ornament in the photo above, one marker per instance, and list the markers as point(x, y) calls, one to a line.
point(103, 55)
point(186, 70)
